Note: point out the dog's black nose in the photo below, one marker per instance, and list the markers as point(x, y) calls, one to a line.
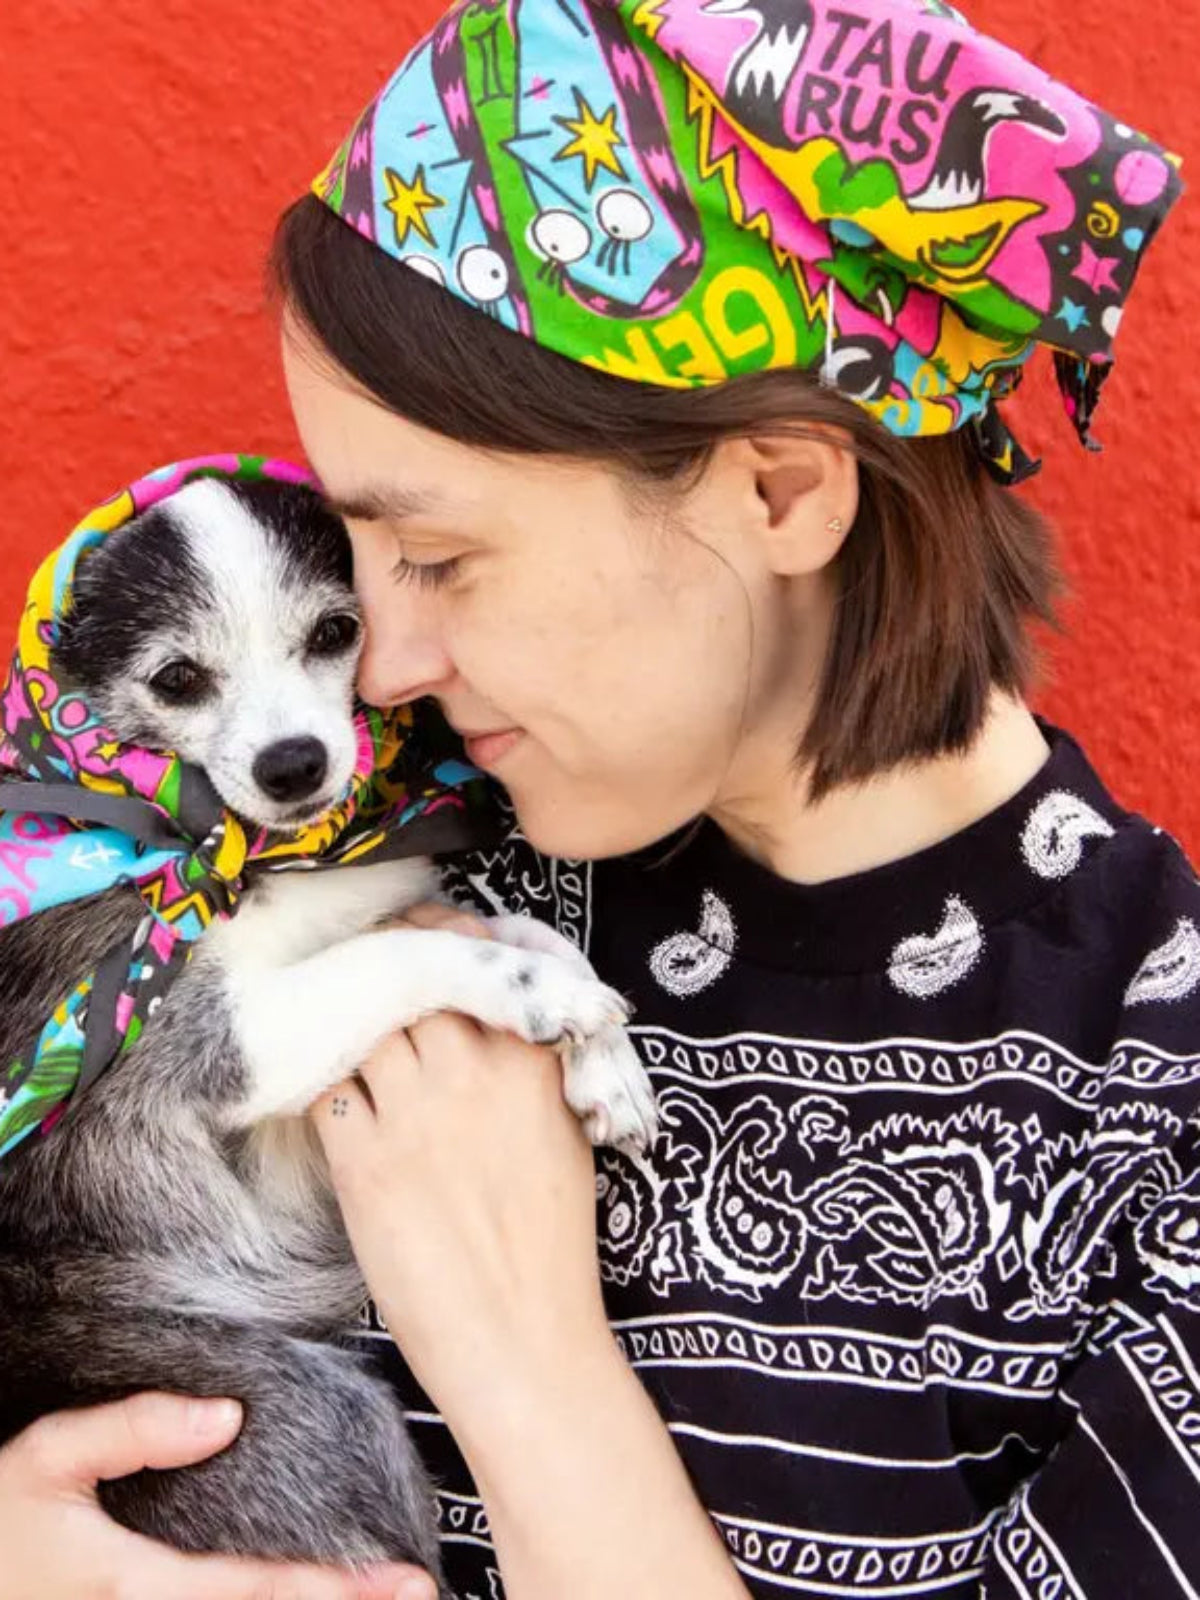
point(292, 769)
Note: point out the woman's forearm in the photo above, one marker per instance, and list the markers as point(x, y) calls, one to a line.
point(584, 1491)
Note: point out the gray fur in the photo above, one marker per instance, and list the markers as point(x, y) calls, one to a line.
point(144, 1246)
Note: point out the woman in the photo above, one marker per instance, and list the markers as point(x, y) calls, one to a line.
point(911, 1280)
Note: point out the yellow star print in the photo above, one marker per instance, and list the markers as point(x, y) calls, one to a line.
point(409, 203)
point(594, 140)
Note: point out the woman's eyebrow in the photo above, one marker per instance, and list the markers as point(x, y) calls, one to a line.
point(383, 504)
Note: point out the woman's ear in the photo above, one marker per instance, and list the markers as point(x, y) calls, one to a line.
point(806, 496)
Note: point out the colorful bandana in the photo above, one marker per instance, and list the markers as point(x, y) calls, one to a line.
point(82, 812)
point(680, 191)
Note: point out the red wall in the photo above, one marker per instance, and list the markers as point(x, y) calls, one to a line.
point(148, 146)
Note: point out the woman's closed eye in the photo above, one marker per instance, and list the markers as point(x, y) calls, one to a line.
point(429, 574)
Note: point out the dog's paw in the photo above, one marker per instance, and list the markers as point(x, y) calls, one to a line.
point(607, 1086)
point(541, 998)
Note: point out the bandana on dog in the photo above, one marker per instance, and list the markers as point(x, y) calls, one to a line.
point(680, 191)
point(81, 812)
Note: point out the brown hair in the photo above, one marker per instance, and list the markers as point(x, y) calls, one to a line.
point(938, 579)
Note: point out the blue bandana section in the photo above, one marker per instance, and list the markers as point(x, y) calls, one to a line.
point(46, 862)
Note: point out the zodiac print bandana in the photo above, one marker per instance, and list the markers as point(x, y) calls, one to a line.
point(681, 191)
point(81, 812)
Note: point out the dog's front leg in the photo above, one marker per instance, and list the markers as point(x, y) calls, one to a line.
point(304, 1027)
point(604, 1081)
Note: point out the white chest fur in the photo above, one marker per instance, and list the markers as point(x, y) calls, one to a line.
point(289, 916)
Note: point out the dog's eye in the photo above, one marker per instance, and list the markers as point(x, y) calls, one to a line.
point(181, 683)
point(333, 635)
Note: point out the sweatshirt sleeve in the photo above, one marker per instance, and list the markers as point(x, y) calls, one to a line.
point(1114, 1513)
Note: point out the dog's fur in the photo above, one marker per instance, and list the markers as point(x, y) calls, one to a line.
point(177, 1230)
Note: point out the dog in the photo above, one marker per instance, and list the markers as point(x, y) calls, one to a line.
point(177, 1230)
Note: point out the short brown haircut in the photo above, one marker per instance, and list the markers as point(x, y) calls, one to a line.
point(938, 580)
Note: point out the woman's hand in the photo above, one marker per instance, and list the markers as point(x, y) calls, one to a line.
point(56, 1543)
point(468, 1190)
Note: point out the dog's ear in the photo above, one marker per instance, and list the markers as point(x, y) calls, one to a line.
point(119, 588)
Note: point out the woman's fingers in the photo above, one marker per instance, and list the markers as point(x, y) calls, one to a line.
point(343, 1117)
point(77, 1449)
point(389, 1079)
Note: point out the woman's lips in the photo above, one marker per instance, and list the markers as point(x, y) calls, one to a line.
point(486, 749)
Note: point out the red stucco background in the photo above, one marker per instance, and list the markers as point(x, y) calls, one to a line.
point(148, 145)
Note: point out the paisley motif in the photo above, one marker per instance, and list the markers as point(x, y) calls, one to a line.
point(913, 1211)
point(1172, 971)
point(686, 963)
point(1168, 1241)
point(747, 1230)
point(1052, 842)
point(1087, 1180)
point(925, 965)
point(628, 1213)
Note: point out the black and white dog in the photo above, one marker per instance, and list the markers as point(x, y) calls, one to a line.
point(177, 1231)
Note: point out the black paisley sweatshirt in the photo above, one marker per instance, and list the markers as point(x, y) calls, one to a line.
point(913, 1273)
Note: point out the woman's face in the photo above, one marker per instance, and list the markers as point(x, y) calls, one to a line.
point(606, 666)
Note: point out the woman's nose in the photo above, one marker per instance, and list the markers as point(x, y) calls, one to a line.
point(403, 657)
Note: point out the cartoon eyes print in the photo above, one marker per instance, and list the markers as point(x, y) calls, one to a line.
point(427, 267)
point(626, 220)
point(563, 239)
point(624, 216)
point(562, 236)
point(483, 275)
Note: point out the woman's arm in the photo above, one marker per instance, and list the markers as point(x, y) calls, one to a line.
point(584, 1491)
point(469, 1193)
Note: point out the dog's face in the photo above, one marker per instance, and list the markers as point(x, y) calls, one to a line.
point(222, 625)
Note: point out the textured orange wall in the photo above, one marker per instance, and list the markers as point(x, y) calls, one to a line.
point(149, 143)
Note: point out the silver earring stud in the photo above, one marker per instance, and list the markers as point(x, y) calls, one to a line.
point(835, 525)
